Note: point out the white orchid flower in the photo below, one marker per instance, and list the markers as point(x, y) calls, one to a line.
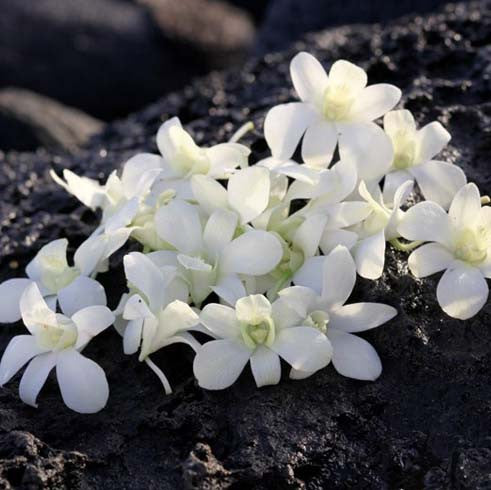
point(210, 257)
point(260, 332)
point(338, 107)
point(182, 158)
point(414, 152)
point(460, 246)
point(158, 314)
point(292, 169)
point(322, 306)
point(56, 340)
point(379, 227)
point(57, 281)
point(247, 194)
point(138, 175)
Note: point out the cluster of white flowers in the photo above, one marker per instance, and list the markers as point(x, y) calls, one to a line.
point(261, 259)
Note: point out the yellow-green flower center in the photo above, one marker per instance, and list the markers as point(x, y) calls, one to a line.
point(58, 337)
point(317, 319)
point(337, 103)
point(262, 332)
point(471, 245)
point(56, 274)
point(404, 149)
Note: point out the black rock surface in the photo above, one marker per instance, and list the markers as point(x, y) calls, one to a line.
point(424, 424)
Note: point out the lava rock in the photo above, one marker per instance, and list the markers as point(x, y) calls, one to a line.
point(424, 424)
point(287, 20)
point(111, 57)
point(29, 120)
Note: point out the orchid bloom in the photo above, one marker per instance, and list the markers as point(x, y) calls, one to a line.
point(322, 306)
point(338, 107)
point(210, 257)
point(380, 226)
point(414, 151)
point(258, 331)
point(460, 246)
point(158, 314)
point(56, 340)
point(57, 281)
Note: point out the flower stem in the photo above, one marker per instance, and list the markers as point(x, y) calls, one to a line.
point(160, 375)
point(405, 247)
point(243, 130)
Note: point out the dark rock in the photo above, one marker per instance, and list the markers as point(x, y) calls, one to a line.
point(110, 57)
point(424, 424)
point(28, 120)
point(288, 20)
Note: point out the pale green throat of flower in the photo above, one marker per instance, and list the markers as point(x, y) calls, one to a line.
point(188, 157)
point(404, 149)
point(58, 337)
point(56, 274)
point(338, 99)
point(471, 245)
point(260, 333)
point(317, 319)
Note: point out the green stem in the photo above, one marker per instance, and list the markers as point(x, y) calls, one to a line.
point(405, 247)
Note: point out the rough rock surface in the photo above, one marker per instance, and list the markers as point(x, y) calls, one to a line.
point(423, 425)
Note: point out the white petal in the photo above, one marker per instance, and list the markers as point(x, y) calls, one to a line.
point(34, 309)
point(248, 192)
point(395, 121)
point(219, 231)
point(83, 383)
point(80, 293)
point(300, 299)
point(353, 77)
point(230, 289)
point(136, 307)
point(139, 173)
point(254, 253)
point(123, 217)
point(132, 336)
point(358, 317)
point(21, 349)
point(265, 366)
point(55, 249)
point(310, 274)
point(146, 277)
point(426, 221)
point(164, 142)
point(193, 263)
point(219, 363)
point(225, 157)
point(369, 256)
point(430, 140)
point(374, 101)
point(462, 292)
point(309, 233)
point(354, 357)
point(162, 258)
point(304, 348)
point(35, 376)
point(309, 78)
point(10, 294)
point(319, 143)
point(439, 181)
point(344, 214)
point(339, 277)
point(466, 206)
point(220, 320)
point(284, 125)
point(91, 321)
point(393, 180)
point(178, 223)
point(332, 238)
point(429, 259)
point(368, 147)
point(209, 193)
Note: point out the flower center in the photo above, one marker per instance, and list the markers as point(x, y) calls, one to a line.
point(58, 337)
point(56, 274)
point(338, 100)
point(472, 244)
point(317, 319)
point(404, 149)
point(262, 332)
point(188, 157)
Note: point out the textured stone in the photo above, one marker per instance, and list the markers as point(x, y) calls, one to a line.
point(424, 424)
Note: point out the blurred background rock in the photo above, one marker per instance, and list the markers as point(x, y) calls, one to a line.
point(68, 66)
